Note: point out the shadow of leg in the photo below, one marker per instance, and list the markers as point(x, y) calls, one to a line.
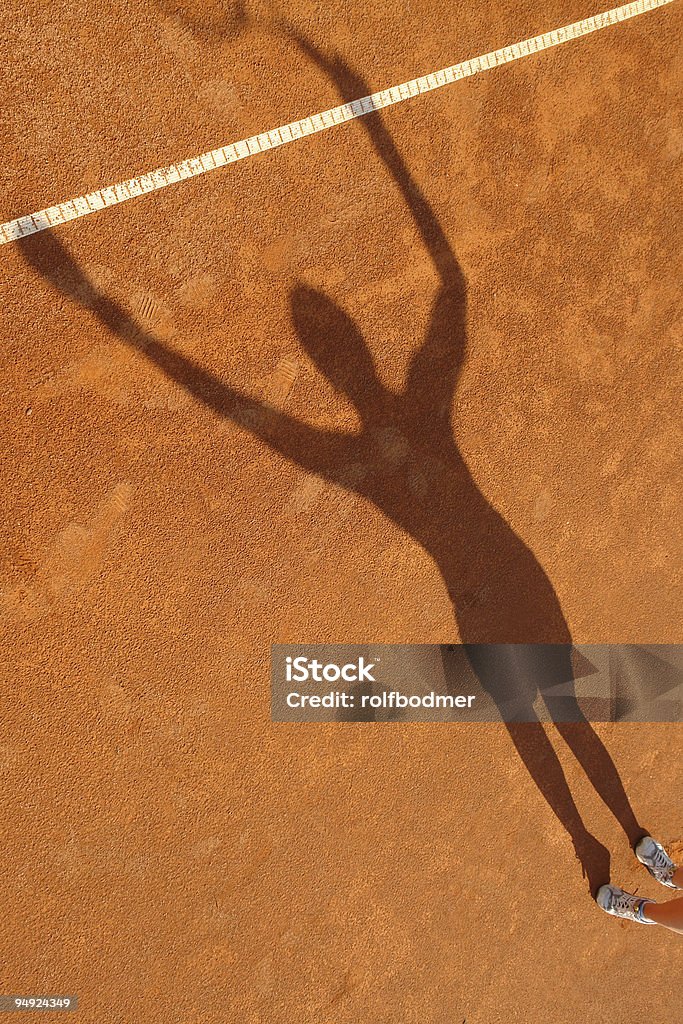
point(514, 674)
point(592, 755)
point(543, 764)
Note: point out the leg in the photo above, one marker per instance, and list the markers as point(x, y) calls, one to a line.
point(669, 914)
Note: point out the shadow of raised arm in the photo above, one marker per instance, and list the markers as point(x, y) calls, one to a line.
point(434, 369)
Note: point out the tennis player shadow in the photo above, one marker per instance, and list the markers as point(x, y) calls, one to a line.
point(415, 474)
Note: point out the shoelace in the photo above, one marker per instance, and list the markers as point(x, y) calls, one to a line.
point(626, 903)
point(661, 860)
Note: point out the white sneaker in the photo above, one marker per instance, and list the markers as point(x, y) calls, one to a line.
point(657, 861)
point(615, 901)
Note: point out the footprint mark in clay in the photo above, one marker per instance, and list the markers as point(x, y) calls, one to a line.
point(306, 495)
point(80, 550)
point(153, 316)
point(197, 291)
point(275, 390)
point(281, 382)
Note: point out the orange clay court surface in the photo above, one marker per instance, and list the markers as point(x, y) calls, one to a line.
point(170, 855)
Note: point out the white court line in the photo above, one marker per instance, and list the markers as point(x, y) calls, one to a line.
point(113, 194)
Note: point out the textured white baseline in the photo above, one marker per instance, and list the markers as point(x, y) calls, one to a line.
point(113, 194)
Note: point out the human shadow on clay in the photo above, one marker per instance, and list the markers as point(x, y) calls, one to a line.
point(405, 460)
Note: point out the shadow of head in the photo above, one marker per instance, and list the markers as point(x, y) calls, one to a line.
point(334, 343)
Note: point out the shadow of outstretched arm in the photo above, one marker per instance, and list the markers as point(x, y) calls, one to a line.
point(318, 451)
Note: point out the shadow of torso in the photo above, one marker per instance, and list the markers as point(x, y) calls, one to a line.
point(499, 591)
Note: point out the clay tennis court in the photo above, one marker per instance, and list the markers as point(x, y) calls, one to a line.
point(170, 853)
